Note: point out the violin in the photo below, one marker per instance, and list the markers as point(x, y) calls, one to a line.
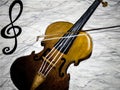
point(47, 70)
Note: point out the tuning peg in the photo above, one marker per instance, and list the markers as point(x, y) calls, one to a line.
point(104, 4)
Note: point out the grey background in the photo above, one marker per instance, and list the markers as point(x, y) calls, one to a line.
point(100, 72)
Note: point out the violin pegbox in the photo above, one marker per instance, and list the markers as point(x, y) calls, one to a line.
point(104, 4)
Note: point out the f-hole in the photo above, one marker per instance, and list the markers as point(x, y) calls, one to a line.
point(61, 74)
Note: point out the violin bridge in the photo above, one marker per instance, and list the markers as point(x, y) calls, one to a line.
point(47, 60)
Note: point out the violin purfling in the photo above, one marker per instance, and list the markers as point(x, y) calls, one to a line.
point(47, 70)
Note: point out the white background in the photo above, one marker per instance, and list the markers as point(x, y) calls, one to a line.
point(100, 72)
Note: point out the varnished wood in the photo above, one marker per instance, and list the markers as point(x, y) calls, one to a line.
point(24, 69)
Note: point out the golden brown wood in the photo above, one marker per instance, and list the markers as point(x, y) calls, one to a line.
point(24, 69)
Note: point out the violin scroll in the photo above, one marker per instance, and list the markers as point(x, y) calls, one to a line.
point(104, 4)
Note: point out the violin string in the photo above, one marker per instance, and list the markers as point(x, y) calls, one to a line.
point(42, 65)
point(65, 42)
point(47, 71)
point(45, 62)
point(54, 64)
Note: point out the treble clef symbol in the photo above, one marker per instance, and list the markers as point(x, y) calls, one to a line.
point(5, 32)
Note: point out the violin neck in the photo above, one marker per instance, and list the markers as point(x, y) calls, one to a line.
point(76, 28)
point(81, 22)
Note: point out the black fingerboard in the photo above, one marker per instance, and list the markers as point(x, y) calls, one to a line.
point(64, 44)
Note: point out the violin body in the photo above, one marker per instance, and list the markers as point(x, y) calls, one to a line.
point(24, 69)
point(47, 70)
